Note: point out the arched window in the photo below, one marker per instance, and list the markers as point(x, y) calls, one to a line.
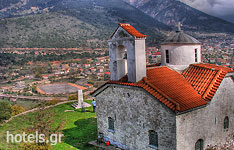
point(196, 55)
point(199, 145)
point(153, 138)
point(226, 122)
point(111, 125)
point(167, 57)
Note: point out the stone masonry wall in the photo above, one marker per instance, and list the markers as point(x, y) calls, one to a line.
point(208, 123)
point(135, 113)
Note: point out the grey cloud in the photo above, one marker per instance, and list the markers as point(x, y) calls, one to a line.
point(213, 2)
point(219, 8)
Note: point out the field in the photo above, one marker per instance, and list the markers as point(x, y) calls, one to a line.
point(80, 128)
point(58, 88)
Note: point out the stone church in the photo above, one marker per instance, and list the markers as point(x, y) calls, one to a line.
point(182, 104)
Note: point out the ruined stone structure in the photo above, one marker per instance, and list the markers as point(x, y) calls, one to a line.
point(180, 105)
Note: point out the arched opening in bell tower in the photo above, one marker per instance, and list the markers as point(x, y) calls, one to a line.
point(122, 65)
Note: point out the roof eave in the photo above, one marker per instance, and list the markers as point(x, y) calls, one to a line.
point(191, 109)
point(99, 90)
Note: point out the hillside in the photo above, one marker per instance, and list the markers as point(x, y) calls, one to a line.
point(170, 12)
point(69, 23)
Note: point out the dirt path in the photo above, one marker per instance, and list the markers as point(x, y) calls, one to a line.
point(35, 109)
point(36, 98)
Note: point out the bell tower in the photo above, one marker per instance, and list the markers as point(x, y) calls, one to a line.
point(127, 54)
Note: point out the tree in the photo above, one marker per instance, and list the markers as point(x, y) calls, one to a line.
point(37, 75)
point(72, 97)
point(5, 111)
point(53, 101)
point(50, 69)
point(43, 123)
point(16, 109)
point(34, 88)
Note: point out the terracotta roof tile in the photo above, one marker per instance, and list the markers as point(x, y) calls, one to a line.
point(180, 92)
point(206, 78)
point(169, 87)
point(175, 87)
point(131, 30)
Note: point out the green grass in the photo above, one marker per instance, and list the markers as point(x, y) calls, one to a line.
point(27, 104)
point(80, 128)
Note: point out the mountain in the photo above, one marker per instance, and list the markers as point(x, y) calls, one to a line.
point(171, 12)
point(137, 3)
point(70, 23)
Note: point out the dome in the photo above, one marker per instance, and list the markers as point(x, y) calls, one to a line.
point(180, 38)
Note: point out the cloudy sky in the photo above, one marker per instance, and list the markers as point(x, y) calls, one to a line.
point(220, 8)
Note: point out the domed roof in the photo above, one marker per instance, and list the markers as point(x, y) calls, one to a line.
point(180, 38)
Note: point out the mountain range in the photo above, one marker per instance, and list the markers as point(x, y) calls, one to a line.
point(69, 23)
point(170, 12)
point(89, 23)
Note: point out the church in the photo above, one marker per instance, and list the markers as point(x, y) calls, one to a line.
point(181, 104)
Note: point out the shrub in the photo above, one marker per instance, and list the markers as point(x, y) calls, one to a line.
point(35, 146)
point(17, 109)
point(72, 97)
point(53, 101)
point(5, 111)
point(43, 123)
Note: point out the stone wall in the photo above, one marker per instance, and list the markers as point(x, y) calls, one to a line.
point(135, 113)
point(208, 123)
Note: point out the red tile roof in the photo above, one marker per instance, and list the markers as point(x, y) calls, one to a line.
point(172, 84)
point(158, 53)
point(131, 30)
point(206, 78)
point(180, 92)
point(151, 90)
point(88, 84)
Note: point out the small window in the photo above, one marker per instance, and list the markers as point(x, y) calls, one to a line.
point(226, 122)
point(195, 55)
point(167, 57)
point(111, 123)
point(153, 138)
point(199, 145)
point(128, 94)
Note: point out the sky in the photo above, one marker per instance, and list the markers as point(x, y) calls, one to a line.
point(220, 8)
